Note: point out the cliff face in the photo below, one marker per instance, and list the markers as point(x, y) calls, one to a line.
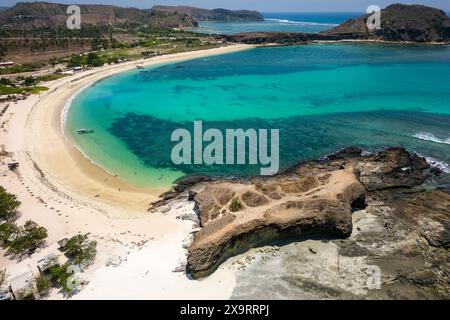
point(316, 197)
point(399, 22)
point(46, 14)
point(212, 15)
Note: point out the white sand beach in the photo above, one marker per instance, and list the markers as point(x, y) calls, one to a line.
point(66, 193)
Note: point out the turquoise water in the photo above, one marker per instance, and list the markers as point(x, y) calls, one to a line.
point(321, 97)
point(281, 22)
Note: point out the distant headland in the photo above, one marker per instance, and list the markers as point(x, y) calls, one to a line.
point(399, 23)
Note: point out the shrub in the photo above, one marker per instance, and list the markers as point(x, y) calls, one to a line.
point(75, 61)
point(29, 81)
point(94, 60)
point(8, 205)
point(60, 276)
point(43, 285)
point(235, 205)
point(7, 229)
point(3, 276)
point(5, 81)
point(24, 238)
point(80, 250)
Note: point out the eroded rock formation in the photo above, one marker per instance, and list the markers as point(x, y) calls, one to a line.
point(316, 197)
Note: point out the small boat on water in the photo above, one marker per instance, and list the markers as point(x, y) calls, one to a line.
point(84, 131)
point(139, 67)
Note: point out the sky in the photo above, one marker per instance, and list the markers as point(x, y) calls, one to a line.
point(260, 5)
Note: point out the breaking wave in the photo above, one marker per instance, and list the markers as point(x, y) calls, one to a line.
point(303, 23)
point(443, 166)
point(430, 137)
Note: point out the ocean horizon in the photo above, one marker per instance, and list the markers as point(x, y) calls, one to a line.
point(312, 22)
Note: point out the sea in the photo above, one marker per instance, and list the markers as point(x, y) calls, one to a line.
point(311, 22)
point(321, 97)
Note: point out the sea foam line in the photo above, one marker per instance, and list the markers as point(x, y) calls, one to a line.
point(443, 166)
point(70, 140)
point(304, 23)
point(427, 136)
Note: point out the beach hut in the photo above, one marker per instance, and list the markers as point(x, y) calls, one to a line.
point(21, 287)
point(6, 64)
point(47, 262)
point(62, 243)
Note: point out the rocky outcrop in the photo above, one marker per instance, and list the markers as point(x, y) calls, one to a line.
point(406, 23)
point(280, 38)
point(316, 197)
point(399, 22)
point(212, 15)
point(402, 236)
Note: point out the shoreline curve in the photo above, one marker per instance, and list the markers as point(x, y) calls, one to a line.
point(62, 161)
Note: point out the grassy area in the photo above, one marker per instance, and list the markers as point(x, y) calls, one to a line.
point(51, 77)
point(18, 68)
point(10, 90)
point(163, 45)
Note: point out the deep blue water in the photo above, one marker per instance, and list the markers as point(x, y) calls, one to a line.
point(278, 21)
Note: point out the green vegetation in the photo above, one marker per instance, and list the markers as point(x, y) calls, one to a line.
point(3, 276)
point(20, 240)
point(43, 284)
point(60, 276)
point(80, 250)
point(21, 85)
point(8, 204)
point(50, 77)
point(91, 59)
point(18, 68)
point(11, 90)
point(235, 205)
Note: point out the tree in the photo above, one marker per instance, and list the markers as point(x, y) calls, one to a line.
point(3, 276)
point(43, 285)
point(75, 61)
point(80, 250)
point(7, 229)
point(94, 60)
point(19, 240)
point(60, 275)
point(27, 240)
point(8, 205)
point(29, 81)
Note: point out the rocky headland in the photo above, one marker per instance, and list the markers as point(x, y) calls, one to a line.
point(212, 15)
point(318, 199)
point(399, 23)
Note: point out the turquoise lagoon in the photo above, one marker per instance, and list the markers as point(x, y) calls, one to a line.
point(321, 97)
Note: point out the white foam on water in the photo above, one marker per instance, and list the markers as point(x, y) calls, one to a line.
point(442, 165)
point(427, 136)
point(303, 23)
